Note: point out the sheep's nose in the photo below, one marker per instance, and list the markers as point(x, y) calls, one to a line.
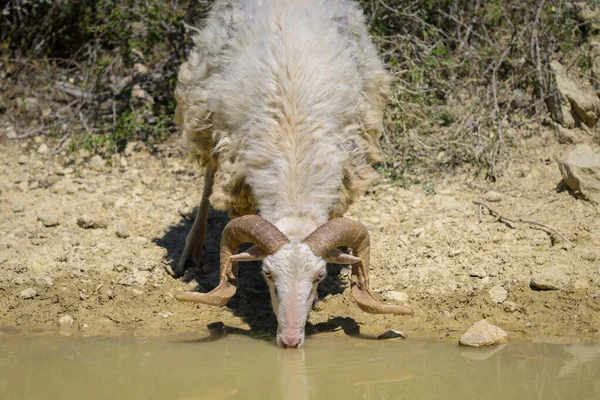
point(291, 342)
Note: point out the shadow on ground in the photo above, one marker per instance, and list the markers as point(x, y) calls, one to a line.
point(252, 301)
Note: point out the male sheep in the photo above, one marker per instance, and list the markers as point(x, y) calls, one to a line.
point(281, 101)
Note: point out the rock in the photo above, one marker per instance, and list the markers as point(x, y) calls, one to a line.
point(11, 134)
point(86, 222)
point(140, 278)
point(43, 149)
point(498, 294)
point(483, 333)
point(137, 292)
point(23, 186)
point(510, 307)
point(140, 69)
point(185, 211)
point(138, 93)
point(66, 321)
point(129, 148)
point(97, 162)
point(21, 178)
point(478, 272)
point(447, 314)
point(122, 231)
point(553, 278)
point(28, 293)
point(571, 102)
point(564, 135)
point(395, 296)
point(391, 334)
point(17, 207)
point(44, 280)
point(492, 196)
point(22, 160)
point(580, 169)
point(48, 219)
point(166, 314)
point(64, 171)
point(147, 180)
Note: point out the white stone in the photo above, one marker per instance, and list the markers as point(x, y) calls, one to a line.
point(395, 296)
point(28, 293)
point(498, 294)
point(483, 333)
point(66, 321)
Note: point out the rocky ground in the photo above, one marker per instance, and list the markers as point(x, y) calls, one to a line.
point(86, 249)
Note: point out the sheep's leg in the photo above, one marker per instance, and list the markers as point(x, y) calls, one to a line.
point(195, 239)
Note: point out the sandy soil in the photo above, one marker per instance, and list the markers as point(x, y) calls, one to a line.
point(432, 247)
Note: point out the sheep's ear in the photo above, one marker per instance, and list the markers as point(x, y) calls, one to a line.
point(254, 253)
point(336, 256)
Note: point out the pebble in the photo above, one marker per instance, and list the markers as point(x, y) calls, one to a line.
point(498, 294)
point(481, 334)
point(395, 296)
point(48, 219)
point(147, 180)
point(23, 186)
point(43, 149)
point(21, 178)
point(447, 314)
point(17, 207)
point(122, 231)
point(137, 292)
point(553, 278)
point(28, 293)
point(86, 221)
point(22, 159)
point(97, 162)
point(477, 272)
point(64, 171)
point(185, 211)
point(66, 321)
point(392, 334)
point(510, 307)
point(44, 280)
point(492, 196)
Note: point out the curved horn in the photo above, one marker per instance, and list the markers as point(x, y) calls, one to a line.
point(249, 228)
point(345, 232)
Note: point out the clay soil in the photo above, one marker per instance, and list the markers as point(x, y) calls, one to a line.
point(429, 242)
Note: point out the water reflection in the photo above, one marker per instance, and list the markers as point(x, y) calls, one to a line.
point(331, 366)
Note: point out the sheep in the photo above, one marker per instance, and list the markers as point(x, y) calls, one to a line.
point(281, 102)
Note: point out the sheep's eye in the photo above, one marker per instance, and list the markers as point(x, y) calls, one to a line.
point(320, 276)
point(268, 275)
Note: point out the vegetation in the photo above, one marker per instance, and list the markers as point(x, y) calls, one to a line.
point(469, 77)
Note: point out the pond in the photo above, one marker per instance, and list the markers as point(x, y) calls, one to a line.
point(329, 367)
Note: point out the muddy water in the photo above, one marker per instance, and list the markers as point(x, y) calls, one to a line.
point(330, 367)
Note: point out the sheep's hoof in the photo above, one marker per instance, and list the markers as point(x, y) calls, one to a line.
point(187, 262)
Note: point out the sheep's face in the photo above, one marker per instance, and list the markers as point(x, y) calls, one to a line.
point(293, 274)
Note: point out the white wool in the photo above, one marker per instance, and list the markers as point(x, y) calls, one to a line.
point(286, 99)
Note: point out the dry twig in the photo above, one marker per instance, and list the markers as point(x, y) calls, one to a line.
point(508, 220)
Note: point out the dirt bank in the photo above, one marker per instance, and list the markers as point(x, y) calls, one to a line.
point(428, 243)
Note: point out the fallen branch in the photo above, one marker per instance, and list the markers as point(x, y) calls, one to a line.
point(507, 220)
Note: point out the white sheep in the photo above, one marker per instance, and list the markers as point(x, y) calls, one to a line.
point(282, 101)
